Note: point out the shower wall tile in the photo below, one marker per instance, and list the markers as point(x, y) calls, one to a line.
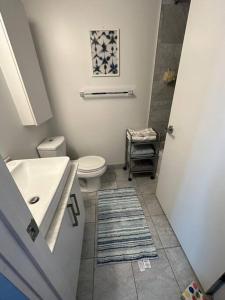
point(173, 1)
point(161, 114)
point(167, 1)
point(161, 91)
point(160, 127)
point(186, 10)
point(167, 56)
point(159, 107)
point(172, 26)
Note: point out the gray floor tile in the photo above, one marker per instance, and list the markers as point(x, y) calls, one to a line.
point(90, 205)
point(126, 183)
point(111, 184)
point(96, 213)
point(89, 196)
point(145, 185)
point(88, 241)
point(96, 243)
point(165, 231)
point(121, 174)
point(157, 283)
point(114, 282)
point(181, 267)
point(86, 279)
point(143, 205)
point(109, 175)
point(154, 233)
point(153, 205)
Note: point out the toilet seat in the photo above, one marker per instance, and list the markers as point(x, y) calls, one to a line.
point(91, 166)
point(88, 164)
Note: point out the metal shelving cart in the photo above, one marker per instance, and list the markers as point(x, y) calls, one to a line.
point(141, 156)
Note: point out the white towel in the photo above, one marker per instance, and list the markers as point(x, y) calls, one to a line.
point(147, 134)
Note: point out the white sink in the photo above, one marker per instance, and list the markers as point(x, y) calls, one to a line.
point(44, 178)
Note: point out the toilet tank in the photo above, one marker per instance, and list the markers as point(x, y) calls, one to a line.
point(52, 147)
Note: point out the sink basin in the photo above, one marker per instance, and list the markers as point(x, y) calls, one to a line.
point(44, 178)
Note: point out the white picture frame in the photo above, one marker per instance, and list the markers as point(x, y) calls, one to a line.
point(105, 52)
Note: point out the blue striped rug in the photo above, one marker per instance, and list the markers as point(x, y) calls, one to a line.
point(123, 234)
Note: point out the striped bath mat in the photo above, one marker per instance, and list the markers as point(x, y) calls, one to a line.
point(123, 234)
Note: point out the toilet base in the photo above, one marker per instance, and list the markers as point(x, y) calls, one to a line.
point(89, 185)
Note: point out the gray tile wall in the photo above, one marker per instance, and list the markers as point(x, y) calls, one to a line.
point(172, 26)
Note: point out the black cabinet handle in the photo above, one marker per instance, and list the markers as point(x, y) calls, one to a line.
point(73, 196)
point(70, 205)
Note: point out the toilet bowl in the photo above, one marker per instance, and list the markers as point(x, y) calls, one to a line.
point(90, 170)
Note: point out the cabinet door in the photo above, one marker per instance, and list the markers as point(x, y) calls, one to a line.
point(20, 66)
point(78, 196)
point(69, 243)
point(78, 204)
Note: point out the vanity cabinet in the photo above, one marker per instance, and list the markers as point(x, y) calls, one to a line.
point(20, 66)
point(68, 246)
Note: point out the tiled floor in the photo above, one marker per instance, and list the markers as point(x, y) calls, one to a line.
point(170, 273)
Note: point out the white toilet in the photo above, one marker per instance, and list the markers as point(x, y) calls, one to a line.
point(90, 168)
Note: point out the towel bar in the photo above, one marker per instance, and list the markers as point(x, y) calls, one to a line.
point(97, 94)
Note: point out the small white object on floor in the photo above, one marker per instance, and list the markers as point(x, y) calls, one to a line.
point(141, 265)
point(147, 263)
point(144, 264)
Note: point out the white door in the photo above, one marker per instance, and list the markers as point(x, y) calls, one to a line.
point(29, 265)
point(191, 187)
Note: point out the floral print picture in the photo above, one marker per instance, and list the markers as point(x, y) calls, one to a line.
point(105, 52)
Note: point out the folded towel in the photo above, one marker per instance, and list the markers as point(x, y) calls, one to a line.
point(147, 134)
point(146, 150)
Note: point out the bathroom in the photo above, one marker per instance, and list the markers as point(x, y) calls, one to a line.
point(150, 35)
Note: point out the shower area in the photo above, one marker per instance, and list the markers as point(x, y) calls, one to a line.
point(173, 19)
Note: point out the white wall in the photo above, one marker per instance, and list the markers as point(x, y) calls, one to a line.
point(16, 140)
point(61, 33)
point(191, 185)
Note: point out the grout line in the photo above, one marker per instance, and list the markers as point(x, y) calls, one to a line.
point(172, 271)
point(135, 285)
point(164, 249)
point(147, 194)
point(178, 245)
point(157, 215)
point(146, 202)
point(94, 260)
point(157, 233)
point(172, 247)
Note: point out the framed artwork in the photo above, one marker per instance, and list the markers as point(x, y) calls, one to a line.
point(105, 52)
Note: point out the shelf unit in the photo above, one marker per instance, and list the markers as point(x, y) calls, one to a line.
point(141, 156)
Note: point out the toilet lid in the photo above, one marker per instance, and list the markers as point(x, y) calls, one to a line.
point(90, 163)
